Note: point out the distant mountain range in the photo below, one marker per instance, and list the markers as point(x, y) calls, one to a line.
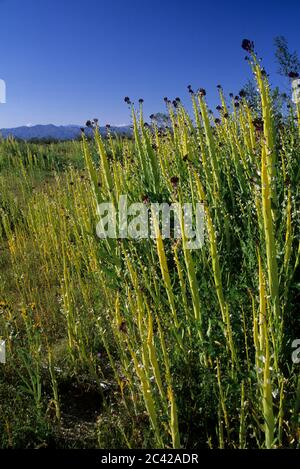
point(61, 132)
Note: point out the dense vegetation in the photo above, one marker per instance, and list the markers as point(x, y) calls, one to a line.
point(144, 343)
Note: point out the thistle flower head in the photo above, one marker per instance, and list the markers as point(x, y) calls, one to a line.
point(174, 181)
point(258, 124)
point(248, 45)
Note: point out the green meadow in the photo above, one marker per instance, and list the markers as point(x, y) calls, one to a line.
point(126, 343)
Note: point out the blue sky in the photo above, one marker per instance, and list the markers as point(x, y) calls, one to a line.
point(67, 61)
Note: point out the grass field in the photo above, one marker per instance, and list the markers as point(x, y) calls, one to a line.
point(145, 343)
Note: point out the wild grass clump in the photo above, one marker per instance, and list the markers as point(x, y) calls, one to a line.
point(182, 348)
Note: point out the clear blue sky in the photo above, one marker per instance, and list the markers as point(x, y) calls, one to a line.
point(65, 61)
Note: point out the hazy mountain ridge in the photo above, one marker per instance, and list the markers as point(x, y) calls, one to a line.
point(61, 132)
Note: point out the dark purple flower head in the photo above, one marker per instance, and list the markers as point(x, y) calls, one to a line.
point(219, 108)
point(217, 121)
point(202, 92)
point(141, 100)
point(236, 104)
point(293, 74)
point(177, 99)
point(127, 100)
point(166, 99)
point(89, 123)
point(248, 45)
point(107, 126)
point(123, 327)
point(242, 93)
point(258, 124)
point(174, 181)
point(231, 95)
point(151, 116)
point(219, 87)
